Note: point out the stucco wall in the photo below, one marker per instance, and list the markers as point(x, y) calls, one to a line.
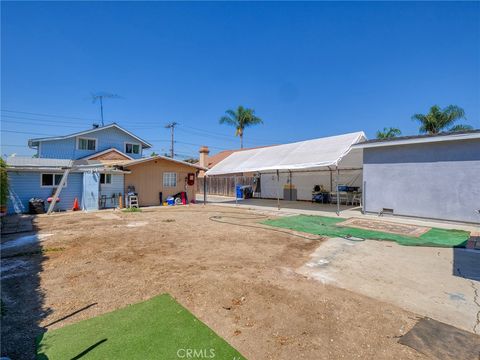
point(436, 180)
point(147, 178)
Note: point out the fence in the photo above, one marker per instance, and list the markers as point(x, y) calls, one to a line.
point(223, 185)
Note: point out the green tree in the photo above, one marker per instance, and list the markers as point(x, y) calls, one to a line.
point(3, 183)
point(438, 120)
point(388, 133)
point(240, 119)
point(191, 160)
point(153, 154)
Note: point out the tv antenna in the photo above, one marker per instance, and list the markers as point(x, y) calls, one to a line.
point(103, 95)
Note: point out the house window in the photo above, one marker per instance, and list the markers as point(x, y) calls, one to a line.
point(132, 148)
point(169, 179)
point(87, 144)
point(105, 179)
point(51, 180)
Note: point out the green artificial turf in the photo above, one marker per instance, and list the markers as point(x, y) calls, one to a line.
point(321, 225)
point(159, 328)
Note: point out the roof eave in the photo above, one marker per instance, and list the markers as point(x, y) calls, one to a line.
point(420, 140)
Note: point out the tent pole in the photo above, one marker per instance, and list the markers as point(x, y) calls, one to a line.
point(204, 190)
point(338, 195)
point(278, 190)
point(235, 187)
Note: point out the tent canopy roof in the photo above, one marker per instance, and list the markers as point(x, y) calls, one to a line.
point(313, 154)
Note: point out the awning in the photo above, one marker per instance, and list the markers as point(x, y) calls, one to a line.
point(316, 154)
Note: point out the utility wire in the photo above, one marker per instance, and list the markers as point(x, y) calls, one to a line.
point(49, 115)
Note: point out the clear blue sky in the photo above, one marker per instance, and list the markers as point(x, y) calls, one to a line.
point(308, 69)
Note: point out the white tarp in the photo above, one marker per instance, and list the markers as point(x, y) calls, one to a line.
point(313, 154)
point(304, 182)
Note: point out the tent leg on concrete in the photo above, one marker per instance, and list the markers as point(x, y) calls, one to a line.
point(235, 187)
point(278, 190)
point(338, 195)
point(205, 190)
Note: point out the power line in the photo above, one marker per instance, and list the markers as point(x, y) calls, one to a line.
point(49, 115)
point(24, 132)
point(8, 121)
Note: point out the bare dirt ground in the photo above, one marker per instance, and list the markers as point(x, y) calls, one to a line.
point(239, 280)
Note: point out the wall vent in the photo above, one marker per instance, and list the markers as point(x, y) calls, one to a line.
point(386, 211)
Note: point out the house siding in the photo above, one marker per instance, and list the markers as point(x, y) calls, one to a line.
point(116, 187)
point(436, 180)
point(106, 139)
point(25, 185)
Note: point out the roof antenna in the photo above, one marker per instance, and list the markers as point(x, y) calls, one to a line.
point(103, 95)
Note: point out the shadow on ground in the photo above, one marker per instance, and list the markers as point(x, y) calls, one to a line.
point(466, 263)
point(22, 256)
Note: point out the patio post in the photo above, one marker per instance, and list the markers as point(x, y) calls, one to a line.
point(338, 195)
point(278, 190)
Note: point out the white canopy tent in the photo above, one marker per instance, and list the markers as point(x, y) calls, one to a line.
point(331, 154)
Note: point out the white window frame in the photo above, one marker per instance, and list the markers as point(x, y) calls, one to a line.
point(105, 178)
point(167, 174)
point(53, 174)
point(87, 138)
point(132, 143)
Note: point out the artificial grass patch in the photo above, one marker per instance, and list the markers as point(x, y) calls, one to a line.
point(132, 209)
point(321, 225)
point(159, 328)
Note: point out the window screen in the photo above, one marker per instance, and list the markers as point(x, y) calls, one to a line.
point(169, 179)
point(87, 144)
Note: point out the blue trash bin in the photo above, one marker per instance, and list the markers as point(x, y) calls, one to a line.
point(239, 192)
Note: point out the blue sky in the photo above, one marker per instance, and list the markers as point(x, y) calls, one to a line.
point(308, 69)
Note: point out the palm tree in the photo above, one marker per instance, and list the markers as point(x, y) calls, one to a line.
point(240, 118)
point(438, 120)
point(388, 133)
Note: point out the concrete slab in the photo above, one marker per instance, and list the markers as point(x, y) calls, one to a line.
point(307, 208)
point(419, 279)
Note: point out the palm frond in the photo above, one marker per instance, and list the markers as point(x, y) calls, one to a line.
point(228, 120)
point(461, 127)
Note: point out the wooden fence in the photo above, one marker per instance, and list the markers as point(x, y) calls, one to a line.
point(223, 185)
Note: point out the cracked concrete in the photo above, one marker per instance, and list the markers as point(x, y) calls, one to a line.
point(476, 299)
point(424, 280)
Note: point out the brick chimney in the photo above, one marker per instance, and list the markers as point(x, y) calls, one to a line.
point(203, 159)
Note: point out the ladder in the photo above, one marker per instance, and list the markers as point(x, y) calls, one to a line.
point(133, 201)
point(57, 192)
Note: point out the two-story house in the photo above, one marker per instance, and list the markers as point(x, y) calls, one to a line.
point(98, 161)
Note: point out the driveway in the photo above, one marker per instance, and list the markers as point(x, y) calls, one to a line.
point(436, 282)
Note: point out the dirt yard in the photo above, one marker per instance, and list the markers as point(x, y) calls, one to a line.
point(239, 280)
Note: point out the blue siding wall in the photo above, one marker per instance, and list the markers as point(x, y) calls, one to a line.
point(25, 185)
point(115, 187)
point(106, 139)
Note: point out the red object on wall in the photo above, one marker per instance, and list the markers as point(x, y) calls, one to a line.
point(191, 179)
